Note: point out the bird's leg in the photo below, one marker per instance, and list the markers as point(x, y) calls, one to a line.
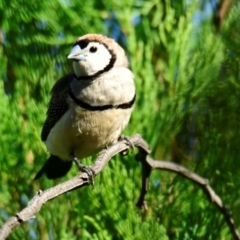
point(87, 169)
point(130, 144)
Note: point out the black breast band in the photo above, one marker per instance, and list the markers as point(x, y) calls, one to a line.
point(87, 106)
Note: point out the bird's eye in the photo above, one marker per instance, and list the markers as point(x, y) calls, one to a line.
point(93, 49)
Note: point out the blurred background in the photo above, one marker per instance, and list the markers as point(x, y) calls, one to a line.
point(185, 55)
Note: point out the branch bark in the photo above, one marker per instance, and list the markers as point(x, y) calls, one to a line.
point(82, 179)
point(204, 184)
point(222, 8)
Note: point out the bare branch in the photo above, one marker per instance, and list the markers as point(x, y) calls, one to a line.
point(222, 8)
point(82, 179)
point(203, 183)
point(78, 181)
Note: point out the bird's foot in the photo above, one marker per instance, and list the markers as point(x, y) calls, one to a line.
point(129, 143)
point(87, 169)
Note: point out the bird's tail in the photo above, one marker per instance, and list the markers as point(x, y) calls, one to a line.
point(54, 167)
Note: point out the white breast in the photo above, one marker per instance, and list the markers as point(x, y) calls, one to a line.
point(114, 87)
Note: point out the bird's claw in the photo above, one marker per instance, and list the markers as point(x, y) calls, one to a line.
point(90, 172)
point(129, 143)
point(87, 169)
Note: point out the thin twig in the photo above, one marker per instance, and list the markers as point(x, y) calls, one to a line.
point(204, 184)
point(220, 12)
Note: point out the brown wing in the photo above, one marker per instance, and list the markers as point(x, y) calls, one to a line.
point(58, 104)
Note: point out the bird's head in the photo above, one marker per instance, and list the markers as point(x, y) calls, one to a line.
point(94, 54)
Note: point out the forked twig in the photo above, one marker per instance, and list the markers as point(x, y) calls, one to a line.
point(105, 155)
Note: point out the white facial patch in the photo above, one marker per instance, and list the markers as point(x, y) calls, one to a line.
point(96, 58)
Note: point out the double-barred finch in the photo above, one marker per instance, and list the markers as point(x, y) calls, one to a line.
point(89, 107)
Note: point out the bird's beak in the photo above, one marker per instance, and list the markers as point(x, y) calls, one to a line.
point(76, 54)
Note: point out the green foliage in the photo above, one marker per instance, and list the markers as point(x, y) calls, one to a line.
point(187, 79)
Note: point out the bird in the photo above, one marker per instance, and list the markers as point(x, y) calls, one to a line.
point(89, 107)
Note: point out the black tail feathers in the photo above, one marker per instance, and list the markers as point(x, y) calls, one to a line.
point(54, 167)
